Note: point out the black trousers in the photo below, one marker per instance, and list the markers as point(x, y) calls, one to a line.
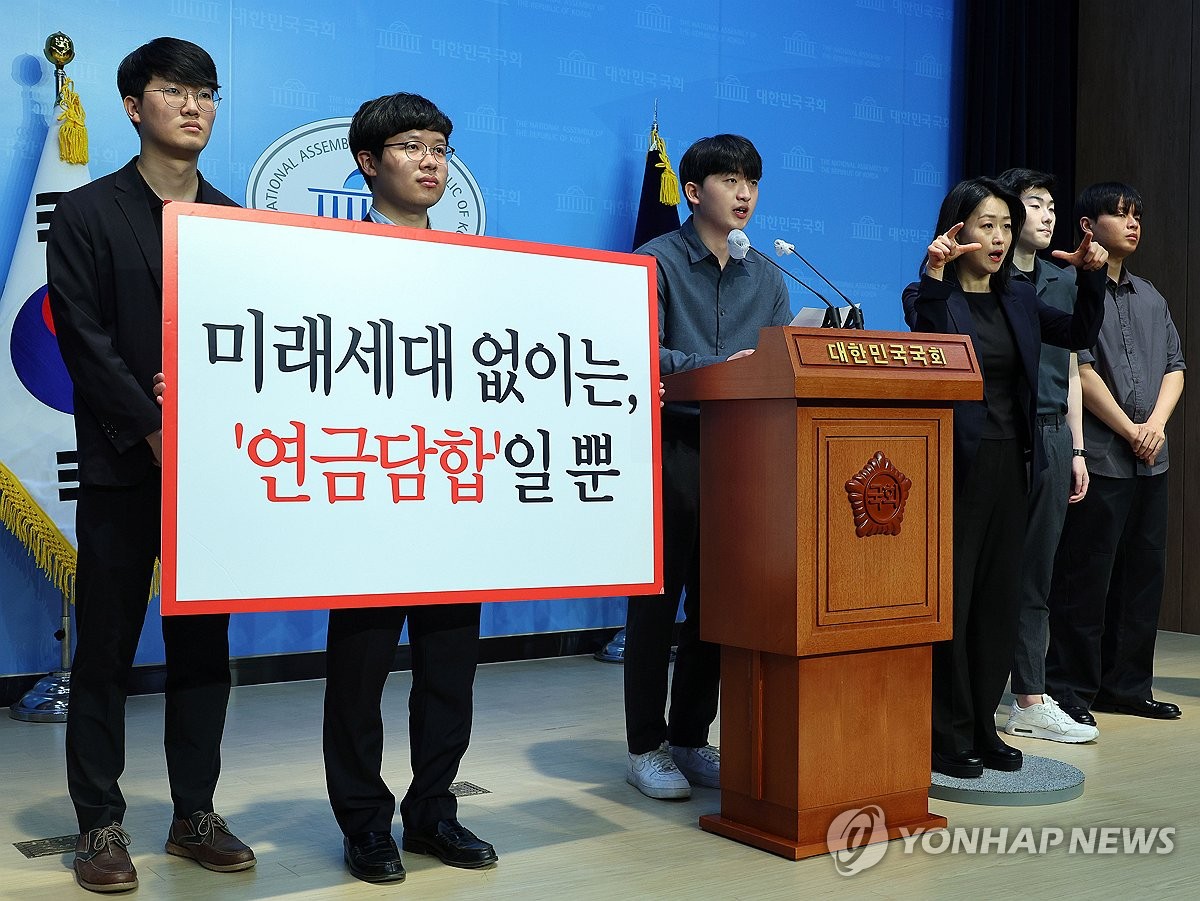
point(970, 670)
point(650, 620)
point(1107, 592)
point(119, 538)
point(360, 653)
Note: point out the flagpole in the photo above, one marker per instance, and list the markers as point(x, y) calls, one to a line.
point(46, 702)
point(657, 215)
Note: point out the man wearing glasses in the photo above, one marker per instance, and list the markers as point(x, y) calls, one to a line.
point(399, 143)
point(104, 267)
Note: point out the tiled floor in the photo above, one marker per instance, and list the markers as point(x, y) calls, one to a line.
point(548, 746)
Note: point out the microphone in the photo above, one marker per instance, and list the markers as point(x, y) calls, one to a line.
point(854, 315)
point(739, 247)
point(738, 243)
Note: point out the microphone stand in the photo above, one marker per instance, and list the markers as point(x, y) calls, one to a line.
point(831, 315)
point(854, 317)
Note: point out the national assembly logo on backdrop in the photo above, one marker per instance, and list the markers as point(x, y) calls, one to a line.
point(310, 170)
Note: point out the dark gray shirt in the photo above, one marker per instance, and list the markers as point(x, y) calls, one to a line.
point(1056, 287)
point(1138, 345)
point(706, 313)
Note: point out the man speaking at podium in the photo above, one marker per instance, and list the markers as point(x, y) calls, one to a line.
point(710, 309)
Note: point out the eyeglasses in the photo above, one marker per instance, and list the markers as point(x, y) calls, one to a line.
point(176, 98)
point(418, 150)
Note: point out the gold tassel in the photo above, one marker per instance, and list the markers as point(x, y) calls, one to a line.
point(668, 187)
point(21, 515)
point(72, 135)
point(156, 582)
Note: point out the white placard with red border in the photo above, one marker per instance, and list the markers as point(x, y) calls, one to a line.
point(367, 415)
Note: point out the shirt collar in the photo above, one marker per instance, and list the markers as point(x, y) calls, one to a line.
point(375, 216)
point(696, 249)
point(201, 185)
point(1124, 281)
point(1041, 272)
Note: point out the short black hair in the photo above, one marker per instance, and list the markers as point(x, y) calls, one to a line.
point(1112, 197)
point(719, 155)
point(174, 59)
point(961, 202)
point(1020, 180)
point(381, 118)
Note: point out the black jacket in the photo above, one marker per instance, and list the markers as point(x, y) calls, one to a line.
point(940, 306)
point(104, 270)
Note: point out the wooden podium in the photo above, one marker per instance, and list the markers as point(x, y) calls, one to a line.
point(826, 526)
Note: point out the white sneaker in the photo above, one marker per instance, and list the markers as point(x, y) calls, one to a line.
point(655, 775)
point(701, 766)
point(1047, 720)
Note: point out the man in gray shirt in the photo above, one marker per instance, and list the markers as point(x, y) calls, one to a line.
point(1035, 713)
point(1108, 579)
point(710, 308)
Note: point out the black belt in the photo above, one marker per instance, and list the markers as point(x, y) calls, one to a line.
point(1045, 419)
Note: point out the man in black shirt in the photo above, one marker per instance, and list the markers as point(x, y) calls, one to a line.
point(401, 144)
point(1108, 579)
point(104, 266)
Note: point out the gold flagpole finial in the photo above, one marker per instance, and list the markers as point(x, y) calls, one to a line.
point(60, 50)
point(72, 136)
point(668, 191)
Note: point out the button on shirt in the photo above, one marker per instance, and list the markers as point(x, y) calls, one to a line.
point(1138, 345)
point(706, 313)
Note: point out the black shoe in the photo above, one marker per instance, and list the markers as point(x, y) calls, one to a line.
point(1079, 714)
point(959, 765)
point(1003, 758)
point(452, 843)
point(1155, 710)
point(373, 857)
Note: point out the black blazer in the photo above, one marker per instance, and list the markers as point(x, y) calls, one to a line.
point(939, 306)
point(104, 271)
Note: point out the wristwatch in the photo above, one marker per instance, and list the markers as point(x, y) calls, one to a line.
point(1079, 452)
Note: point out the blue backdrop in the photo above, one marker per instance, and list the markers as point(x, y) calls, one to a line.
point(849, 103)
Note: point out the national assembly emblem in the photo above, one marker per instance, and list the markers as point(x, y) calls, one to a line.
point(877, 494)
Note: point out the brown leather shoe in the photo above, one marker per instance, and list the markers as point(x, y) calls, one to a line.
point(101, 862)
point(206, 839)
